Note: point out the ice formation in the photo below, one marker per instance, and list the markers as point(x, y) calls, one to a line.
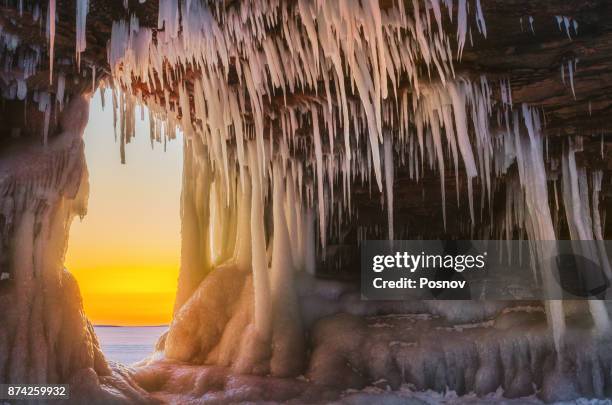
point(263, 76)
point(37, 204)
point(285, 108)
point(328, 70)
point(582, 226)
point(51, 35)
point(571, 71)
point(45, 337)
point(82, 8)
point(567, 24)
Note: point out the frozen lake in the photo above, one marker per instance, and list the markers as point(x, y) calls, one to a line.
point(128, 344)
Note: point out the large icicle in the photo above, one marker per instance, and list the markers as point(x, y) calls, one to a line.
point(82, 8)
point(261, 282)
point(51, 36)
point(576, 201)
point(288, 339)
point(389, 182)
point(318, 154)
point(539, 219)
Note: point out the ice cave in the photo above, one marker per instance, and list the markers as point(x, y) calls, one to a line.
point(309, 126)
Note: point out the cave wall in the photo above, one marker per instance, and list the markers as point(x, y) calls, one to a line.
point(45, 335)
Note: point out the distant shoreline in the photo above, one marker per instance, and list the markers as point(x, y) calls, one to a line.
point(130, 326)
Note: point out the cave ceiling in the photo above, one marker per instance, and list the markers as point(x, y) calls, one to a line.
point(526, 46)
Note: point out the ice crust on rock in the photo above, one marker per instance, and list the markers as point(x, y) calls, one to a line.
point(45, 337)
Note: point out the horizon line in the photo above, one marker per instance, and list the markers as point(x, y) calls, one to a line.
point(106, 325)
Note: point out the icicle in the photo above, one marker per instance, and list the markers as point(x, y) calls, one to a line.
point(168, 18)
point(61, 86)
point(575, 24)
point(242, 253)
point(47, 111)
point(563, 73)
point(582, 228)
point(319, 168)
point(51, 35)
point(538, 218)
point(463, 141)
point(462, 26)
point(261, 283)
point(82, 8)
point(388, 160)
point(570, 69)
point(566, 23)
point(22, 89)
point(482, 26)
point(310, 246)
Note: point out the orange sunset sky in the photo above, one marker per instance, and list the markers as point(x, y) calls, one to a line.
point(125, 252)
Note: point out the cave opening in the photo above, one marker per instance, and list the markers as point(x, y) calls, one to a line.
point(125, 252)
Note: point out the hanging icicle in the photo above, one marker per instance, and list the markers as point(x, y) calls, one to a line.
point(82, 8)
point(51, 36)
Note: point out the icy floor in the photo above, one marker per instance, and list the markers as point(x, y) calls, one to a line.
point(430, 336)
point(216, 385)
point(405, 396)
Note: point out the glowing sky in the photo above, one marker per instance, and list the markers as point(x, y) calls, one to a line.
point(125, 252)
